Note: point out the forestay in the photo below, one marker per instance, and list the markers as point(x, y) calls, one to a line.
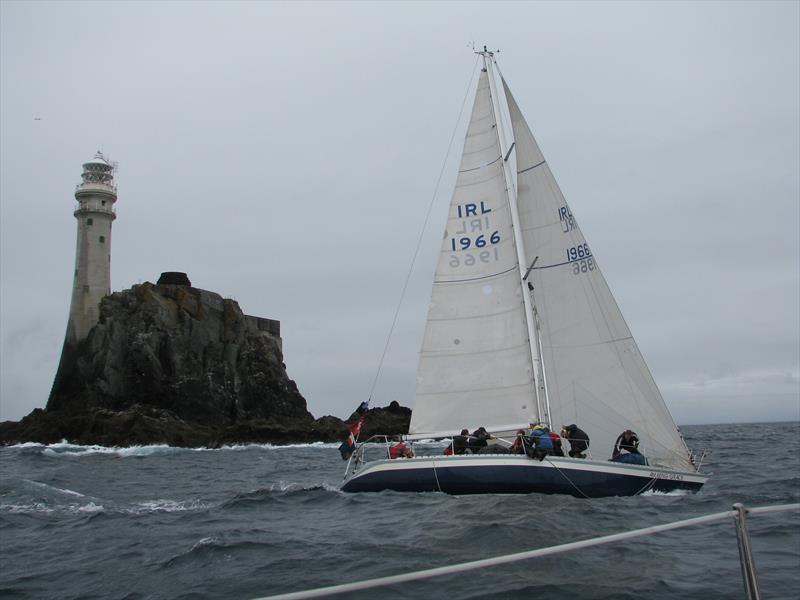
point(475, 363)
point(596, 376)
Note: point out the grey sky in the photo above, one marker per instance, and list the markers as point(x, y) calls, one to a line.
point(285, 155)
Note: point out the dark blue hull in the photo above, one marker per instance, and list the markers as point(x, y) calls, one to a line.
point(481, 474)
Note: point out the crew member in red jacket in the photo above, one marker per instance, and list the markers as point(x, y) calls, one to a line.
point(399, 449)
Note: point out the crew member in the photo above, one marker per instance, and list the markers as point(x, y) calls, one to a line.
point(541, 444)
point(478, 440)
point(518, 447)
point(626, 449)
point(399, 449)
point(557, 449)
point(578, 440)
point(461, 442)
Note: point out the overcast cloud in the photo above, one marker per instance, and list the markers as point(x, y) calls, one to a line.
point(284, 154)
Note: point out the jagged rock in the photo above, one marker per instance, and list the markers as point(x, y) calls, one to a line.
point(182, 366)
point(391, 420)
point(180, 349)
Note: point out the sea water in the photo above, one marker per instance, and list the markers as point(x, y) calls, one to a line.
point(250, 521)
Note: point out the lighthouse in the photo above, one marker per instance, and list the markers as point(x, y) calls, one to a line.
point(96, 195)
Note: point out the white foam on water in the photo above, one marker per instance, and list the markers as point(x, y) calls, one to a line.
point(39, 507)
point(65, 448)
point(672, 493)
point(207, 541)
point(164, 505)
point(284, 486)
point(27, 445)
point(52, 487)
point(239, 447)
point(332, 488)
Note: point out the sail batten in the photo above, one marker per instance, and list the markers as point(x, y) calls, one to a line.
point(531, 168)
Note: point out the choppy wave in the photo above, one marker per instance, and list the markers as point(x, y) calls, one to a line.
point(280, 490)
point(318, 445)
point(211, 524)
point(672, 493)
point(65, 448)
point(137, 508)
point(167, 506)
point(53, 488)
point(43, 507)
point(214, 546)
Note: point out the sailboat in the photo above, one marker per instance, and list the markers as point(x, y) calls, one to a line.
point(522, 329)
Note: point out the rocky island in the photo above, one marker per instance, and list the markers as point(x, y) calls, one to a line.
point(170, 363)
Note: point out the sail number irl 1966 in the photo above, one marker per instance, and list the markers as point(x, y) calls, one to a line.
point(474, 233)
point(474, 230)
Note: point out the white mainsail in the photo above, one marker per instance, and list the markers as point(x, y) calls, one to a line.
point(596, 376)
point(475, 366)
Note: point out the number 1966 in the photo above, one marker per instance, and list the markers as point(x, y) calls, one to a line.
point(579, 251)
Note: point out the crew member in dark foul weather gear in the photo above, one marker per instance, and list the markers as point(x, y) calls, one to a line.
point(478, 439)
point(578, 440)
point(461, 442)
point(626, 449)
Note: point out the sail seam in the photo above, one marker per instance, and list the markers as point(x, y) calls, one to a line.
point(531, 168)
point(488, 351)
point(477, 278)
point(481, 150)
point(601, 343)
point(493, 174)
point(493, 314)
point(466, 390)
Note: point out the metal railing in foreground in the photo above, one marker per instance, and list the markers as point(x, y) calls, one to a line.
point(738, 514)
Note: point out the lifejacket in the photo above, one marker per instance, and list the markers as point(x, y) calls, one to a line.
point(541, 439)
point(398, 450)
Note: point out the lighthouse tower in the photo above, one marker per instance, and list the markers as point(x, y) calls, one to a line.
point(96, 195)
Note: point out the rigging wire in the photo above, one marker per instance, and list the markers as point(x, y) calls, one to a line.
point(422, 233)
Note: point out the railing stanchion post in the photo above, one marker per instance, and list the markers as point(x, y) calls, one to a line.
point(746, 554)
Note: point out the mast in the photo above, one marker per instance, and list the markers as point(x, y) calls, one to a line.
point(542, 405)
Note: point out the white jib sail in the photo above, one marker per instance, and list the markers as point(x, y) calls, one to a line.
point(475, 363)
point(596, 376)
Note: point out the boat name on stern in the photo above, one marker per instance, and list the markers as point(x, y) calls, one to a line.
point(662, 475)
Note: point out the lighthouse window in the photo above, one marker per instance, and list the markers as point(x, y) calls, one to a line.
point(102, 239)
point(89, 221)
point(103, 202)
